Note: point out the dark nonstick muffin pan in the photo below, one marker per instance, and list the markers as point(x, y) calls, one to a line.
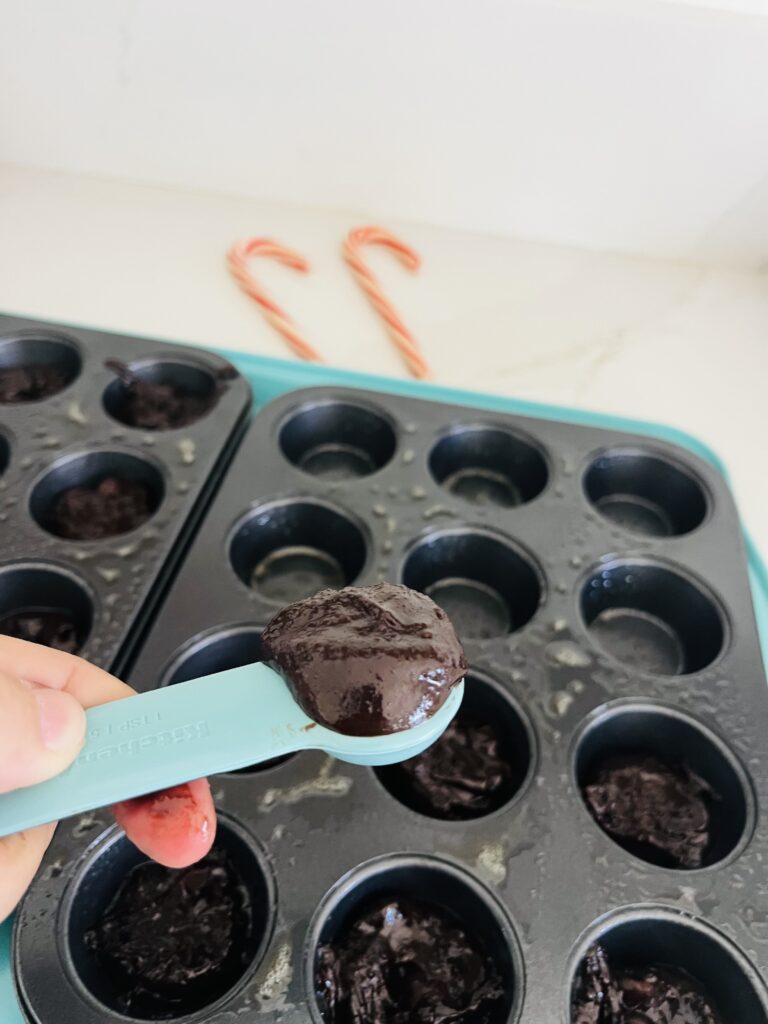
point(95, 508)
point(599, 582)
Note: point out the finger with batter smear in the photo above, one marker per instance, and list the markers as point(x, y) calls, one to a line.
point(174, 826)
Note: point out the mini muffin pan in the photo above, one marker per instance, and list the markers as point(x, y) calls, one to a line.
point(599, 582)
point(63, 425)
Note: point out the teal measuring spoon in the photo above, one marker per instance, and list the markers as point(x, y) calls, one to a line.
point(178, 733)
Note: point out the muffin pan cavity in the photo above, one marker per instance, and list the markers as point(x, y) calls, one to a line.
point(35, 365)
point(485, 584)
point(662, 786)
point(144, 942)
point(645, 493)
point(289, 550)
point(480, 763)
point(45, 604)
point(160, 394)
point(488, 466)
point(338, 440)
point(651, 618)
point(96, 495)
point(651, 953)
point(412, 933)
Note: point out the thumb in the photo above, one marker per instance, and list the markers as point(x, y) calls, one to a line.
point(41, 732)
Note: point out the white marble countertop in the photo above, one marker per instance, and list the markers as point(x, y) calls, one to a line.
point(643, 338)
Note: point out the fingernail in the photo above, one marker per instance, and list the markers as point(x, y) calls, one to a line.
point(62, 719)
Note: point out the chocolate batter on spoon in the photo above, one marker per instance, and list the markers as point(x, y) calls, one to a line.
point(366, 661)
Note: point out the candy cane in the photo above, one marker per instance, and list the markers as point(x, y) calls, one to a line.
point(237, 259)
point(402, 337)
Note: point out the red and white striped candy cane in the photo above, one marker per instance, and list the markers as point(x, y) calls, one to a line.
point(237, 259)
point(402, 337)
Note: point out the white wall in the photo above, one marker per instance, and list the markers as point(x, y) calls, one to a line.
point(636, 125)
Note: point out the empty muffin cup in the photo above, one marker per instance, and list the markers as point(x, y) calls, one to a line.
point(489, 466)
point(46, 605)
point(160, 394)
point(486, 584)
point(650, 962)
point(96, 495)
point(338, 440)
point(289, 550)
point(35, 366)
point(480, 763)
point(663, 787)
point(652, 618)
point(419, 936)
point(218, 652)
point(645, 493)
point(152, 943)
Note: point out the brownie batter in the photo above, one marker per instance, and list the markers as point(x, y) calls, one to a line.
point(152, 405)
point(49, 628)
point(652, 995)
point(111, 507)
point(405, 962)
point(173, 941)
point(366, 661)
point(658, 811)
point(30, 383)
point(463, 775)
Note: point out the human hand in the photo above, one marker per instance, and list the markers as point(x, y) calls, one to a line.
point(42, 728)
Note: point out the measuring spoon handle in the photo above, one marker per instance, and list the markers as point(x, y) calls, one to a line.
point(165, 737)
